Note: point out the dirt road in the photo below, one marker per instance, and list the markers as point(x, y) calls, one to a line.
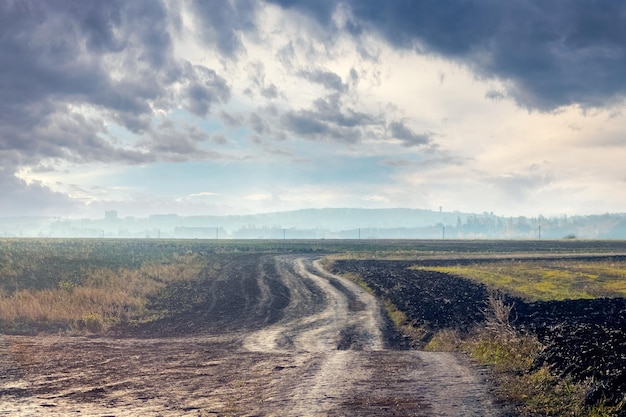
point(274, 336)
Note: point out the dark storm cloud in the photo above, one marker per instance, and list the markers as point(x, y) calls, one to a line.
point(113, 57)
point(330, 120)
point(553, 53)
point(205, 88)
point(270, 91)
point(75, 138)
point(495, 95)
point(408, 138)
point(321, 10)
point(305, 124)
point(47, 66)
point(287, 55)
point(220, 22)
point(441, 159)
point(116, 58)
point(168, 142)
point(328, 79)
point(231, 120)
point(23, 199)
point(333, 110)
point(70, 69)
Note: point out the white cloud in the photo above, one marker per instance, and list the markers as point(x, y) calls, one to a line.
point(376, 199)
point(202, 194)
point(259, 197)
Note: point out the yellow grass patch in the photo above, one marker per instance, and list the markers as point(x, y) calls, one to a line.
point(547, 279)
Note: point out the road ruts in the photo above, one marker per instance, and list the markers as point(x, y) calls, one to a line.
point(332, 331)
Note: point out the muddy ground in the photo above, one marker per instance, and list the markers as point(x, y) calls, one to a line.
point(267, 336)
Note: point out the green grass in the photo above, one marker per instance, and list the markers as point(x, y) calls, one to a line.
point(547, 279)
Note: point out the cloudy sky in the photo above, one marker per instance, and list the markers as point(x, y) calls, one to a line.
point(243, 106)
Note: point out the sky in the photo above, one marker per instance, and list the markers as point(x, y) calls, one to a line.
point(243, 106)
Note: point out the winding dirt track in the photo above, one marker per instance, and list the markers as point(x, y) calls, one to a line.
point(296, 341)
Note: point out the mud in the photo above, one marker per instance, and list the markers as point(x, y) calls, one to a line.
point(265, 336)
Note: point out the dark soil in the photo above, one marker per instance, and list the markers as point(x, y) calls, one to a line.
point(584, 339)
point(217, 301)
point(431, 299)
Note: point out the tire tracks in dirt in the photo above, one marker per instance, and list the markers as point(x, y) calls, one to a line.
point(319, 317)
point(342, 364)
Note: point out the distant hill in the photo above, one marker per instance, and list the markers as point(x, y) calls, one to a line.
point(341, 218)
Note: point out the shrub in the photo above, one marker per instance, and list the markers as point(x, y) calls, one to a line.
point(498, 314)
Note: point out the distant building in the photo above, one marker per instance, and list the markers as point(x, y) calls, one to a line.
point(110, 215)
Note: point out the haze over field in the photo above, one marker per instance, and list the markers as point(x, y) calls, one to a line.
point(244, 106)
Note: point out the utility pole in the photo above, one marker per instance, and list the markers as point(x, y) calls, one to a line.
point(217, 233)
point(443, 231)
point(539, 231)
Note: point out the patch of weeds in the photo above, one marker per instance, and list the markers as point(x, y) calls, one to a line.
point(446, 340)
point(536, 391)
point(542, 394)
point(419, 335)
point(327, 262)
point(93, 323)
point(602, 410)
point(68, 286)
point(504, 354)
point(511, 358)
point(357, 279)
point(99, 298)
point(497, 314)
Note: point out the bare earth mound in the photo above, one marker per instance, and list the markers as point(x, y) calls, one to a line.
point(270, 336)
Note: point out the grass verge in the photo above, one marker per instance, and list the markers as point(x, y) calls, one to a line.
point(511, 358)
